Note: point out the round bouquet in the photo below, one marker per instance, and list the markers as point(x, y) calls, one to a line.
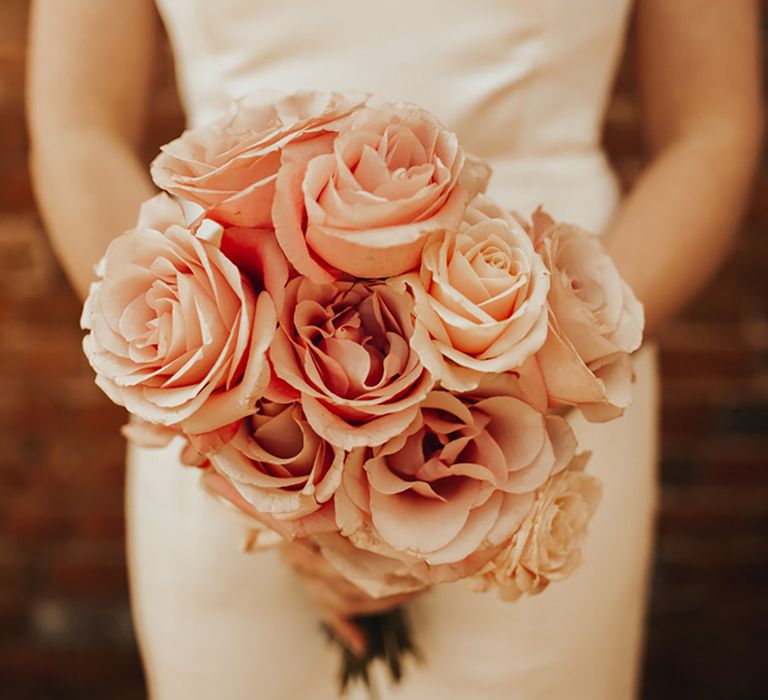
point(364, 353)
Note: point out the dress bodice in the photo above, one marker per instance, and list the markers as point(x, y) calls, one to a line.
point(524, 83)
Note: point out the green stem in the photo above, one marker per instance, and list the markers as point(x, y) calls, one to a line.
point(388, 638)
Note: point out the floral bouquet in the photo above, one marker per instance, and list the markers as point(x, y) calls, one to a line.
point(364, 352)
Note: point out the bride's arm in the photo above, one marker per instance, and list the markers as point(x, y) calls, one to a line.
point(88, 78)
point(698, 63)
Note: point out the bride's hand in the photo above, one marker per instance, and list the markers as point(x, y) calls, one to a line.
point(337, 600)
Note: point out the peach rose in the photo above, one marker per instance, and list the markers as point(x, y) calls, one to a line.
point(459, 480)
point(279, 464)
point(263, 529)
point(365, 201)
point(230, 166)
point(595, 323)
point(547, 547)
point(345, 348)
point(480, 298)
point(376, 574)
point(177, 334)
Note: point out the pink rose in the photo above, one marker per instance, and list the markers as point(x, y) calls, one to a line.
point(459, 480)
point(376, 574)
point(365, 201)
point(547, 547)
point(279, 464)
point(481, 298)
point(595, 323)
point(345, 348)
point(177, 334)
point(264, 529)
point(230, 166)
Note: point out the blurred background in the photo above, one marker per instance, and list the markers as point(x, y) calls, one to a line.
point(65, 629)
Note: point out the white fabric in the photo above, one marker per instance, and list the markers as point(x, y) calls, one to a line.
point(524, 83)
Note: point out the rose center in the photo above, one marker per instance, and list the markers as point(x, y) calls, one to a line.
point(355, 338)
point(430, 444)
point(496, 258)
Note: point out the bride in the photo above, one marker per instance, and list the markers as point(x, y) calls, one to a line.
point(524, 83)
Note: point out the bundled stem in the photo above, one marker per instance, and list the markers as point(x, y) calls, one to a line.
point(388, 638)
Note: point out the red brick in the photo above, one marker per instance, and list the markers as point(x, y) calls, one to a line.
point(88, 568)
point(13, 25)
point(26, 262)
point(35, 517)
point(706, 354)
point(49, 353)
point(15, 191)
point(92, 671)
point(12, 588)
point(101, 523)
point(708, 506)
point(742, 465)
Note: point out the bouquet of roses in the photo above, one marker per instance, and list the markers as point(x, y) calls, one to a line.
point(363, 351)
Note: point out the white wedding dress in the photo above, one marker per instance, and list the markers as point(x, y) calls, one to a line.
point(524, 83)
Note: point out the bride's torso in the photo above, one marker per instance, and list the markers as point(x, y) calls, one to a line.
point(523, 82)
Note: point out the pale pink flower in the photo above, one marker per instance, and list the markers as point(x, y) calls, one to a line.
point(278, 463)
point(380, 570)
point(480, 298)
point(365, 201)
point(271, 528)
point(177, 334)
point(459, 480)
point(230, 167)
point(345, 348)
point(596, 322)
point(548, 545)
point(377, 574)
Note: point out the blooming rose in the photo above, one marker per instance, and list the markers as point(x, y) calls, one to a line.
point(547, 547)
point(595, 322)
point(279, 464)
point(345, 348)
point(376, 574)
point(459, 480)
point(481, 298)
point(230, 166)
point(263, 528)
point(365, 201)
point(177, 334)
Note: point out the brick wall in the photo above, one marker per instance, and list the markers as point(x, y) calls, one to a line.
point(65, 628)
